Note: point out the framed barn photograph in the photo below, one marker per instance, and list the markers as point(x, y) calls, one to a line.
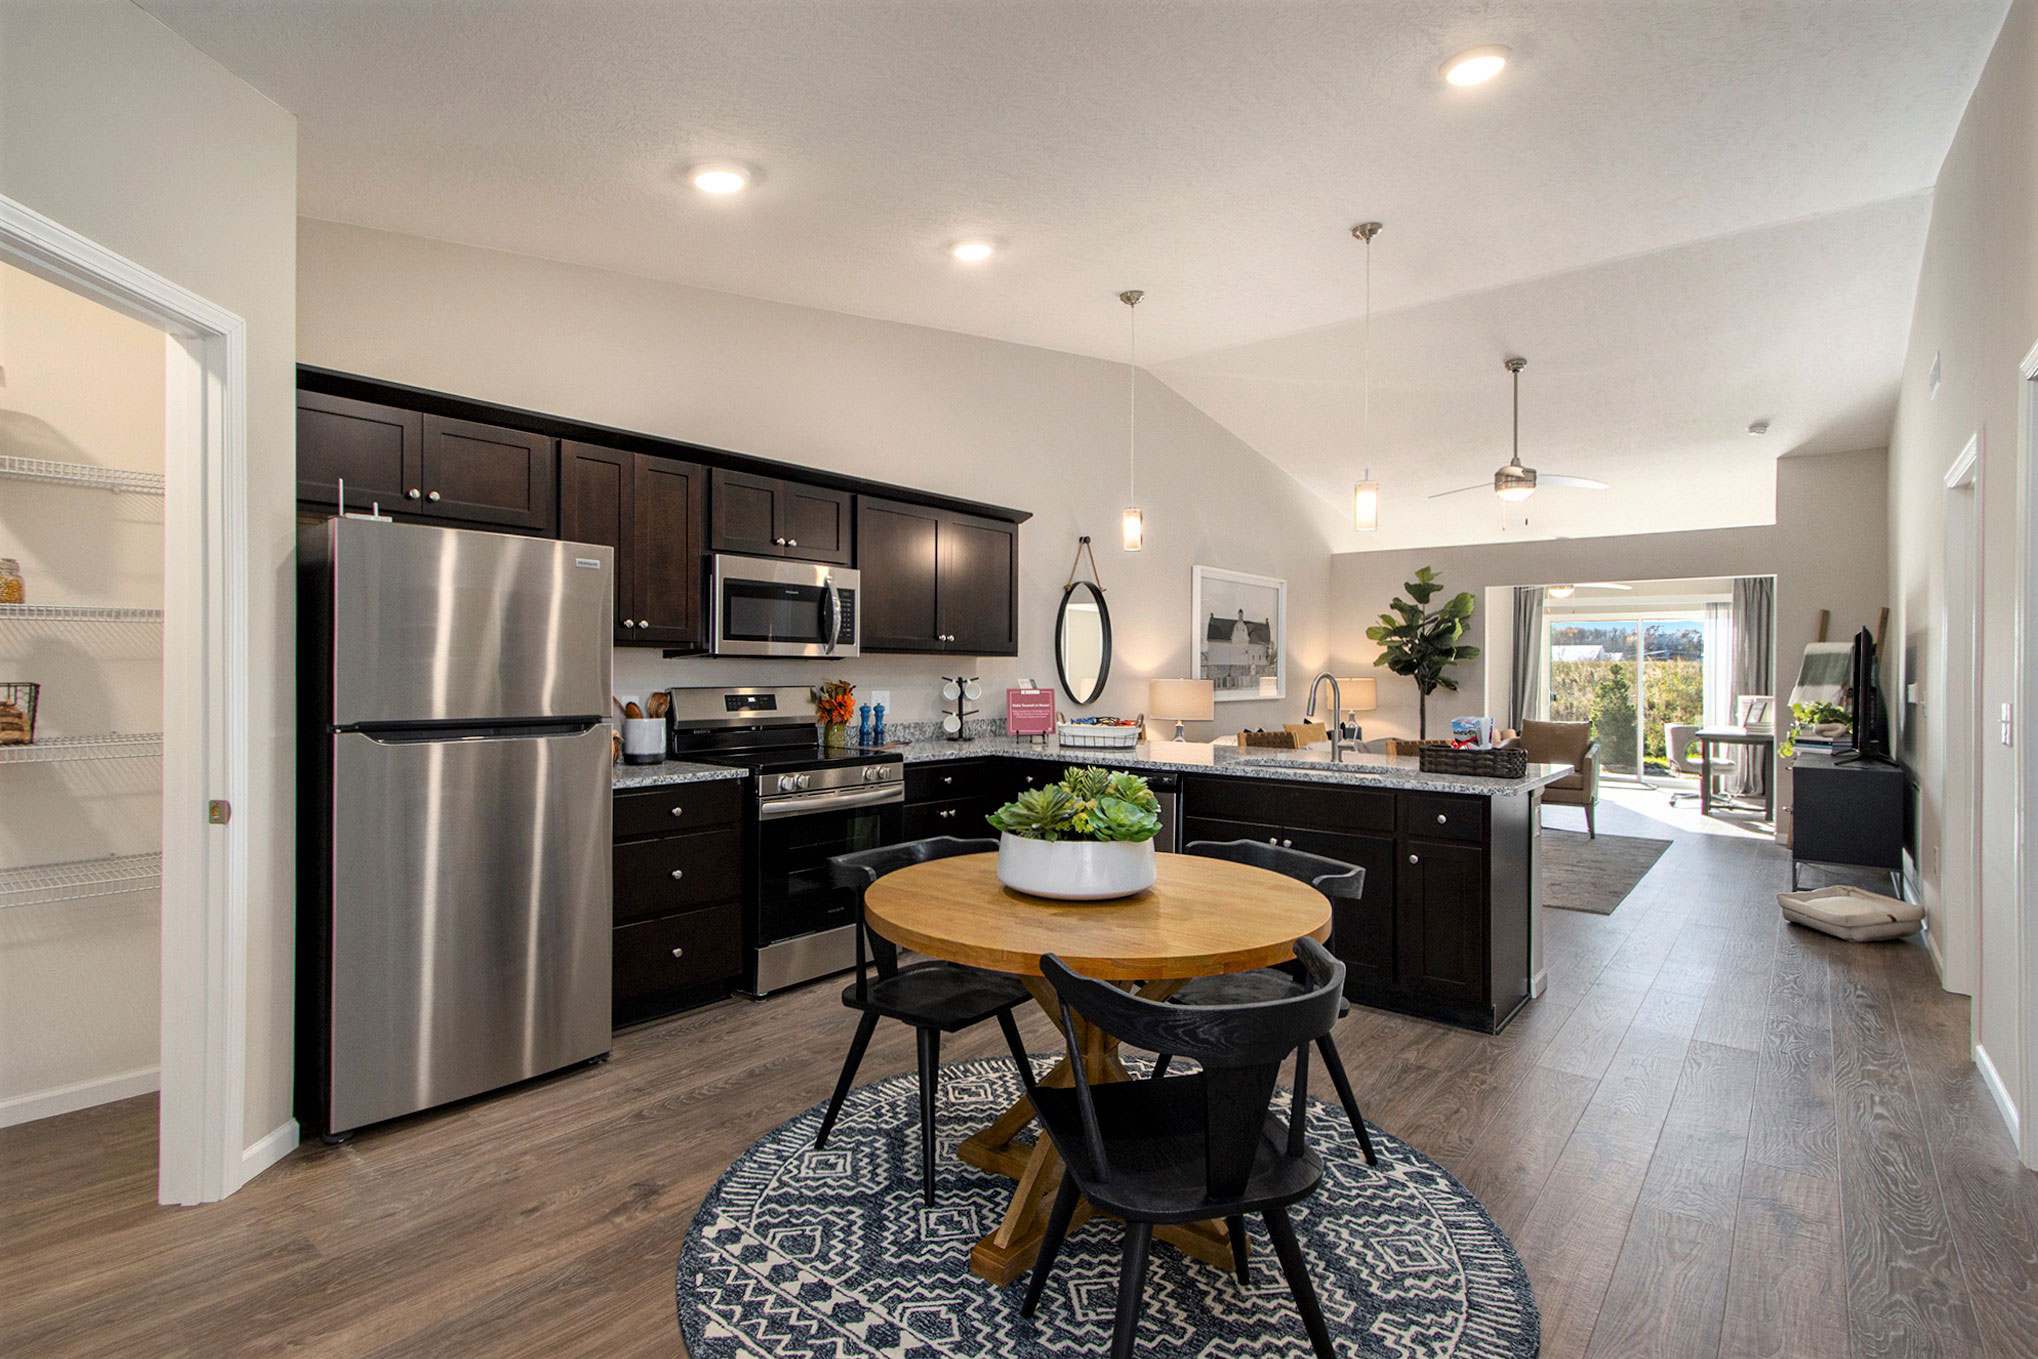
point(1240, 627)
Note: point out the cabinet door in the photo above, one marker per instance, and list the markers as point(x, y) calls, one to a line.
point(377, 449)
point(746, 515)
point(1196, 828)
point(815, 523)
point(899, 563)
point(1364, 932)
point(597, 505)
point(484, 474)
point(1441, 920)
point(979, 586)
point(669, 542)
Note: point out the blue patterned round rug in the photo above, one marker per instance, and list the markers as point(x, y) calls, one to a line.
point(804, 1254)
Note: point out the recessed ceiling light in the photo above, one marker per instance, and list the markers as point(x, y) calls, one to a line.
point(1477, 66)
point(972, 252)
point(719, 176)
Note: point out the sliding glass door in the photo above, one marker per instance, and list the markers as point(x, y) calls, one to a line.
point(1631, 677)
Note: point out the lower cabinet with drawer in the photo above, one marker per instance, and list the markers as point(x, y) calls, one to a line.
point(1442, 930)
point(678, 893)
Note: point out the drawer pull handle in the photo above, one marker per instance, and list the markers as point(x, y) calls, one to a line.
point(432, 496)
point(1412, 859)
point(679, 953)
point(678, 873)
point(792, 542)
point(1442, 819)
point(676, 811)
point(412, 493)
point(1287, 844)
point(643, 622)
point(629, 622)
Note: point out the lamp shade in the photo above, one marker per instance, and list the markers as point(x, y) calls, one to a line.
point(1181, 700)
point(1360, 694)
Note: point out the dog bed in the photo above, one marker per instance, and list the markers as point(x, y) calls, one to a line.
point(1851, 913)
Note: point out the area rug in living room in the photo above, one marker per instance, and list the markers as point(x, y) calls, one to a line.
point(798, 1253)
point(1585, 874)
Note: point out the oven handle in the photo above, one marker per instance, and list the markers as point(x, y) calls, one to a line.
point(815, 803)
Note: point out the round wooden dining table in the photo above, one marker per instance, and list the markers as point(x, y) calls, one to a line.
point(1202, 917)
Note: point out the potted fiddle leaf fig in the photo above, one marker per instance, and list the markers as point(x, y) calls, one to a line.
point(1421, 642)
point(1086, 838)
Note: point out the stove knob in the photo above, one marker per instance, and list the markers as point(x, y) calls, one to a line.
point(786, 783)
point(871, 773)
point(801, 781)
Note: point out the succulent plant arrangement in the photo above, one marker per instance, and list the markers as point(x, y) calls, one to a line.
point(1088, 804)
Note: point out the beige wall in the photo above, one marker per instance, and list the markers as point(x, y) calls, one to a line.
point(79, 1002)
point(1004, 423)
point(1977, 311)
point(1826, 551)
point(121, 131)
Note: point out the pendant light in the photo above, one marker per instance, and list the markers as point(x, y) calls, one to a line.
point(1134, 524)
point(1366, 491)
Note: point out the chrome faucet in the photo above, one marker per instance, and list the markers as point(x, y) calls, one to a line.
point(1337, 708)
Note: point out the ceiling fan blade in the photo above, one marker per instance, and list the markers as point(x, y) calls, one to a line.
point(1482, 486)
point(1575, 483)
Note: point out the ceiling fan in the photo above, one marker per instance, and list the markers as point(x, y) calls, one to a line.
point(1566, 591)
point(1514, 481)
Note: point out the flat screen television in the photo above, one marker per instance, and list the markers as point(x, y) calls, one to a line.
point(1865, 708)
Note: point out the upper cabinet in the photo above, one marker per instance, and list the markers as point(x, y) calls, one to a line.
point(652, 511)
point(769, 517)
point(453, 470)
point(936, 580)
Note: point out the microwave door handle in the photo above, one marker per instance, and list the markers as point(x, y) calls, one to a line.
point(831, 617)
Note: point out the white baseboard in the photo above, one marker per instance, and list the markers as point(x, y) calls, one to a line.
point(1994, 1081)
point(278, 1144)
point(64, 1099)
point(1932, 947)
point(1539, 983)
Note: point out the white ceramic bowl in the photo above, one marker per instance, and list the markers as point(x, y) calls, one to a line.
point(1075, 870)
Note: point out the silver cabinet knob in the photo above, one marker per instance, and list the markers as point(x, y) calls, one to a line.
point(678, 873)
point(948, 778)
point(1029, 780)
point(679, 953)
point(629, 622)
point(1412, 859)
point(1273, 839)
point(431, 495)
point(643, 622)
point(676, 811)
point(1442, 819)
point(792, 542)
point(945, 813)
point(779, 541)
point(413, 493)
point(1287, 844)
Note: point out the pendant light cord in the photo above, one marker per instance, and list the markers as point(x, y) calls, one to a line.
point(1132, 403)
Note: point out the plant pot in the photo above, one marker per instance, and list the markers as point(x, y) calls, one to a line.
point(1075, 870)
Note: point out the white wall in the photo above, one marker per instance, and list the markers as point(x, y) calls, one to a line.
point(118, 129)
point(79, 1002)
point(997, 422)
point(1977, 312)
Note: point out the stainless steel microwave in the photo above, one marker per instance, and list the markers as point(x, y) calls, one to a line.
point(766, 607)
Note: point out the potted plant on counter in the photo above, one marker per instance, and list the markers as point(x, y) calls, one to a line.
point(1087, 838)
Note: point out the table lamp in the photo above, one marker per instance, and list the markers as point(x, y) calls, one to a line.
point(1359, 695)
point(1179, 701)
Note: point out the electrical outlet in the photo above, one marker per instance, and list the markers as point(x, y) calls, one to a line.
point(2009, 719)
point(883, 696)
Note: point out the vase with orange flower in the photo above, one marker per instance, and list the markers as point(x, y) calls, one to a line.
point(834, 701)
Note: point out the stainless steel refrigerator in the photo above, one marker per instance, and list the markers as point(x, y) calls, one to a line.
point(454, 912)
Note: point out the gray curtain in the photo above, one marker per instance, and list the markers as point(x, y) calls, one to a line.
point(1754, 667)
point(1525, 695)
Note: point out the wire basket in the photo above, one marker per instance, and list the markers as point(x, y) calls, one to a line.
point(1095, 736)
point(1502, 763)
point(17, 712)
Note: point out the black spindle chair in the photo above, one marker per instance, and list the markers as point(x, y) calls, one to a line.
point(1187, 1148)
point(934, 997)
point(1338, 881)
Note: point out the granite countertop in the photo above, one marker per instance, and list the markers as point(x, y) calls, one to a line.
point(629, 776)
point(1358, 770)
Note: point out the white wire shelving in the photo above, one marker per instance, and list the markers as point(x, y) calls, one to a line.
point(79, 474)
point(76, 613)
point(80, 879)
point(114, 745)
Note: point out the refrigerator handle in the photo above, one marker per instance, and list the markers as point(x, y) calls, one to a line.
point(424, 732)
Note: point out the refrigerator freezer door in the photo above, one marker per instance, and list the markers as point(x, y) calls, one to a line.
point(471, 916)
point(445, 625)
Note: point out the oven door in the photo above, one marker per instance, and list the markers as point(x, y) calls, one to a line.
point(805, 927)
point(764, 607)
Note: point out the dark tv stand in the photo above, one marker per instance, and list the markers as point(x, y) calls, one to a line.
point(1848, 811)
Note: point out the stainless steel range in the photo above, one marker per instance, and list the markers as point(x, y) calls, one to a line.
point(808, 803)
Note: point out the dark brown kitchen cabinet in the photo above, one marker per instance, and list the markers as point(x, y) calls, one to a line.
point(757, 516)
point(650, 510)
point(937, 581)
point(485, 474)
point(1440, 936)
point(377, 450)
point(678, 893)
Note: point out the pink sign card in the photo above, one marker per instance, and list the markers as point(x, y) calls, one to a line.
point(1029, 712)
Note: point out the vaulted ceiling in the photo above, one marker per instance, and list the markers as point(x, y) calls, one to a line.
point(1689, 214)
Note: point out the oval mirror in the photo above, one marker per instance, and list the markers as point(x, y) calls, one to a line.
point(1082, 642)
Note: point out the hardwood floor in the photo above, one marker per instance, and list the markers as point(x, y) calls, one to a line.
point(1715, 1135)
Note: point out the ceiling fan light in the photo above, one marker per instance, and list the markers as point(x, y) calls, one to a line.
point(1514, 482)
point(1563, 591)
point(1366, 506)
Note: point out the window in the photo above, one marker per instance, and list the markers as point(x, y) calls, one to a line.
point(1632, 677)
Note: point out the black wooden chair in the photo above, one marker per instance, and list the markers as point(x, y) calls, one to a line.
point(934, 997)
point(1338, 881)
point(1187, 1148)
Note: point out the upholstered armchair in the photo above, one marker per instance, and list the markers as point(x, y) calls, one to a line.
point(1567, 743)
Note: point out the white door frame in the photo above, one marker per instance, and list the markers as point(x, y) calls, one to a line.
point(1958, 954)
point(2024, 659)
point(205, 670)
